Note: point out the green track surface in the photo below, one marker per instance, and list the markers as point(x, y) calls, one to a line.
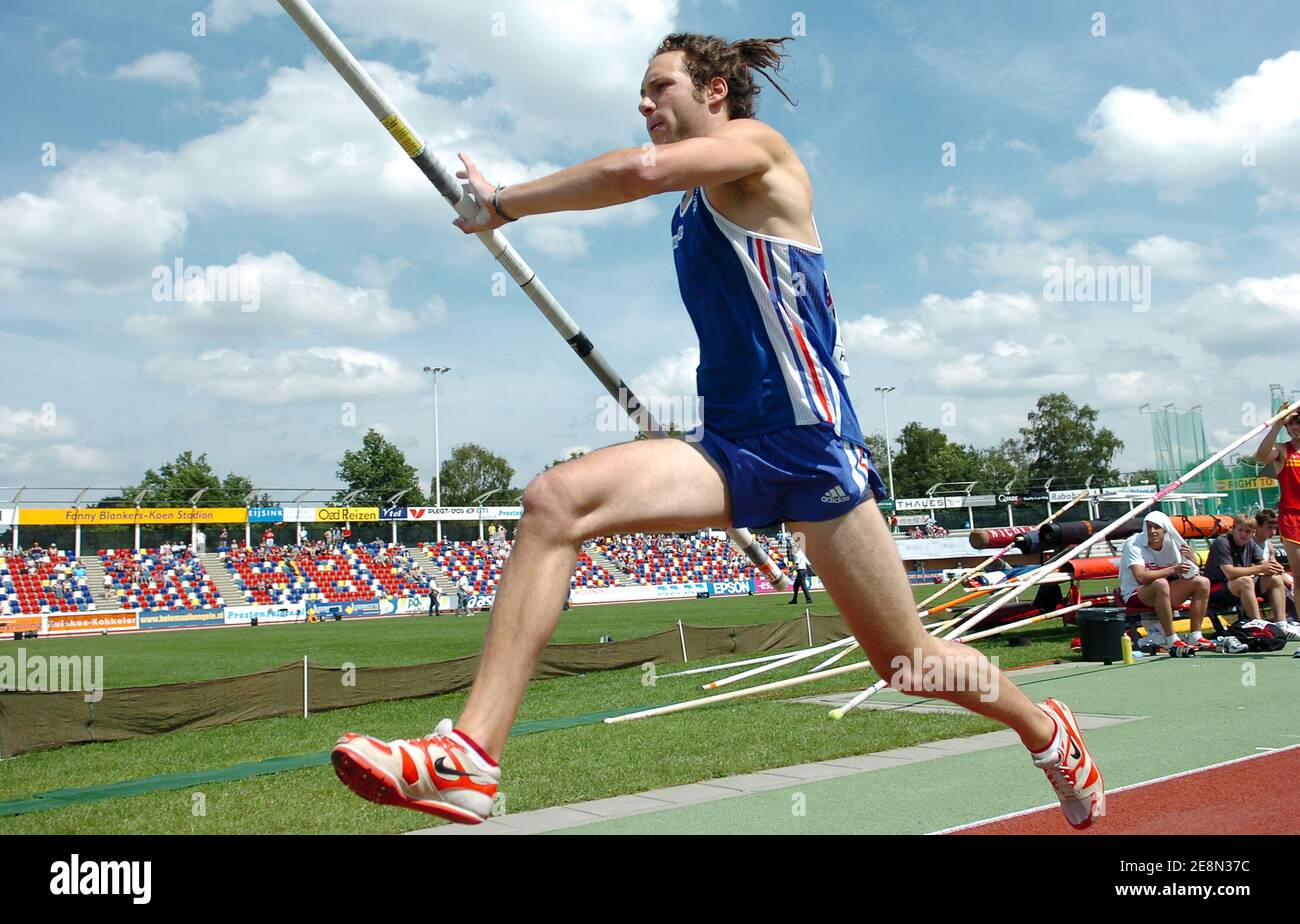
point(1201, 711)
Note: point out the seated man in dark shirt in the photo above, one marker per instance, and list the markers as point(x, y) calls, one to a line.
point(1232, 567)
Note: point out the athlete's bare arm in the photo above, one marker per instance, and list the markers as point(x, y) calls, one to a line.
point(1269, 451)
point(748, 169)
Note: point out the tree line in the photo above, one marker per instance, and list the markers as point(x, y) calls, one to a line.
point(1060, 439)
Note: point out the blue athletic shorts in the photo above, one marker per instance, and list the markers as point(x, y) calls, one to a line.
point(803, 473)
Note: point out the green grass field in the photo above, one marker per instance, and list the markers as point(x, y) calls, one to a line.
point(542, 769)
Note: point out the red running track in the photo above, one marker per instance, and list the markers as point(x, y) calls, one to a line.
point(1209, 801)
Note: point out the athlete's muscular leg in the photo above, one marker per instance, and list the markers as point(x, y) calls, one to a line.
point(1293, 557)
point(1195, 589)
point(656, 485)
point(1243, 588)
point(1156, 596)
point(859, 564)
point(1273, 589)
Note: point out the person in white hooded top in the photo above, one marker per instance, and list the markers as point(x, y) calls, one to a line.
point(1157, 570)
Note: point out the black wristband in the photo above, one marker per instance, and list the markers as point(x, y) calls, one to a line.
point(496, 204)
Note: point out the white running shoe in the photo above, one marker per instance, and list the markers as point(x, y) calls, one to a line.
point(441, 775)
point(1071, 770)
point(1230, 644)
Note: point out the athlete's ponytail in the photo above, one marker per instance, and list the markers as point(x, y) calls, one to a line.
point(708, 56)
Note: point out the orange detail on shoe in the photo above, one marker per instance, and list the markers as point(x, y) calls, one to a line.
point(410, 772)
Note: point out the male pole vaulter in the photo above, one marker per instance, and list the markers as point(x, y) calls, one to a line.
point(779, 441)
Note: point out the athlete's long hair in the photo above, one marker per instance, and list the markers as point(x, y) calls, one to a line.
point(708, 56)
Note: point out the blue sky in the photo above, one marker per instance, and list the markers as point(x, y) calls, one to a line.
point(241, 147)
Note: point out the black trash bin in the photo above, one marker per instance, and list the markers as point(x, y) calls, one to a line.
point(1100, 630)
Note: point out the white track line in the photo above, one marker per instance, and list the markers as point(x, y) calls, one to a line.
point(1110, 792)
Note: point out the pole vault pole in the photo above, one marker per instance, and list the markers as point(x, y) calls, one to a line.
point(984, 612)
point(383, 109)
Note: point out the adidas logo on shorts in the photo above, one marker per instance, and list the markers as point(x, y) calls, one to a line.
point(836, 495)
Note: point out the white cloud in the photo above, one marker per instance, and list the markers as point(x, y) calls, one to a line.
point(579, 85)
point(811, 155)
point(40, 425)
point(88, 231)
point(288, 376)
point(306, 147)
point(225, 15)
point(1025, 147)
point(555, 240)
point(271, 295)
point(1180, 261)
point(374, 273)
point(827, 72)
point(171, 68)
point(69, 57)
point(1002, 214)
point(945, 200)
point(1139, 137)
point(876, 336)
point(44, 442)
point(1253, 317)
point(979, 312)
point(80, 458)
point(672, 376)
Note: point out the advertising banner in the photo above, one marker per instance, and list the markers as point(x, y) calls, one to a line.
point(634, 592)
point(1064, 497)
point(12, 624)
point(464, 513)
point(323, 609)
point(347, 514)
point(392, 513)
point(266, 514)
point(180, 619)
point(931, 503)
point(1250, 483)
point(7, 517)
point(115, 621)
point(951, 547)
point(115, 516)
point(1034, 497)
point(730, 588)
point(402, 606)
point(274, 612)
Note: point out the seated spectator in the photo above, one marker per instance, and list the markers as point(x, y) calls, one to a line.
point(1233, 568)
point(1158, 571)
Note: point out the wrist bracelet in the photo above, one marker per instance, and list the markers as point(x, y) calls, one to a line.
point(496, 203)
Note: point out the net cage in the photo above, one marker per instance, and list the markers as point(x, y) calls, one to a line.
point(1178, 438)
